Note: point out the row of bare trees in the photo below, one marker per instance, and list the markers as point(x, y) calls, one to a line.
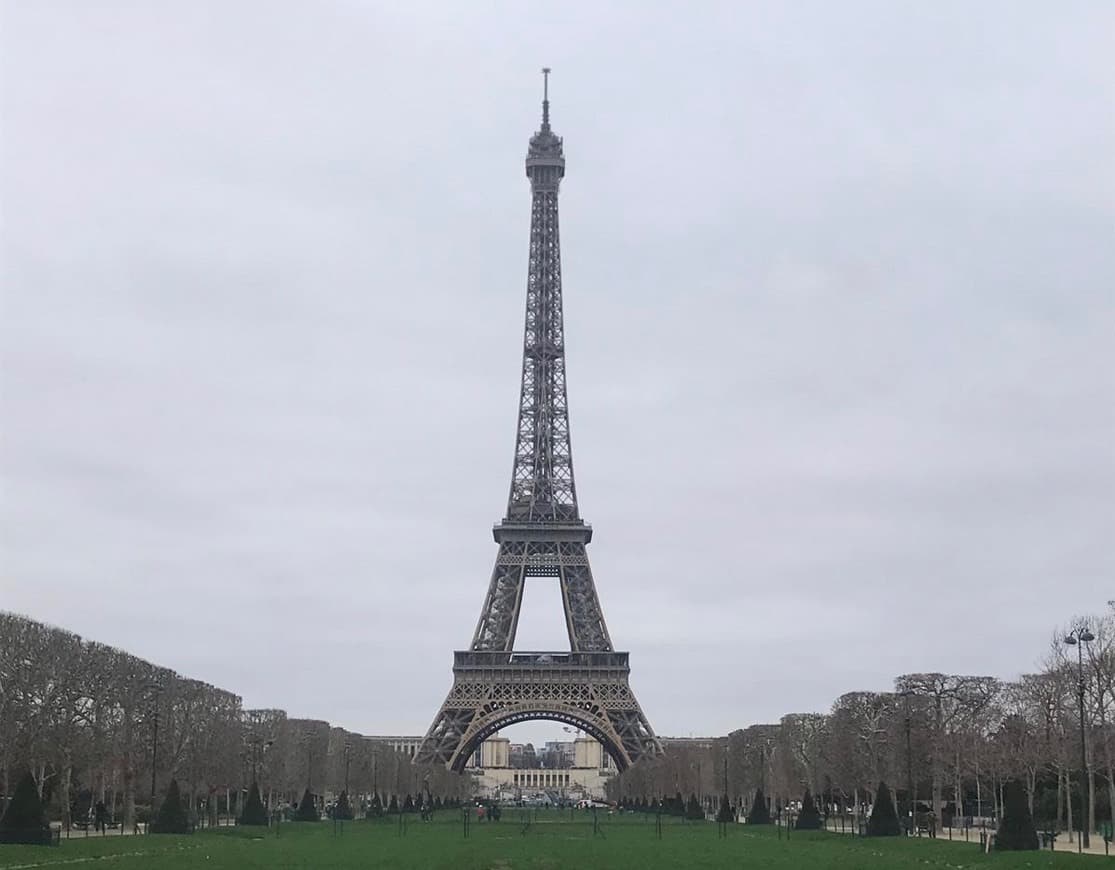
point(96, 724)
point(951, 741)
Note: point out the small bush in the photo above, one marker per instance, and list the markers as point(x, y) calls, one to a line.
point(1016, 830)
point(884, 819)
point(760, 812)
point(725, 813)
point(255, 813)
point(24, 820)
point(808, 819)
point(693, 810)
point(173, 816)
point(307, 810)
point(375, 809)
point(343, 809)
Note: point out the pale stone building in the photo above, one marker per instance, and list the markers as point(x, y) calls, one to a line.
point(494, 776)
point(591, 769)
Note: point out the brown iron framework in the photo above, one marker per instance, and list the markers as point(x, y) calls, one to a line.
point(542, 535)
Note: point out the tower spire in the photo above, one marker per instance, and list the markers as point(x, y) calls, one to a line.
point(545, 98)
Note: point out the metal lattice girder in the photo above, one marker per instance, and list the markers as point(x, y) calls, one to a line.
point(494, 689)
point(542, 535)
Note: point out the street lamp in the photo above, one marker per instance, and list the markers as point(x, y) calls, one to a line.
point(1077, 638)
point(156, 686)
point(909, 765)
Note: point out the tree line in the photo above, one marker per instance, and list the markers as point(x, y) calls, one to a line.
point(95, 724)
point(951, 741)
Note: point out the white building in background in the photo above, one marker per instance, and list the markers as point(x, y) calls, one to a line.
point(491, 766)
point(402, 744)
point(587, 777)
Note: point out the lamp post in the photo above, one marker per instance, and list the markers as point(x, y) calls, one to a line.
point(1077, 638)
point(909, 766)
point(156, 686)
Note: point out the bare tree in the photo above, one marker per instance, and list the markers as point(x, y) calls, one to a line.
point(952, 702)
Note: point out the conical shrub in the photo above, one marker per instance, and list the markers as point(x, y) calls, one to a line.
point(1016, 830)
point(693, 810)
point(760, 812)
point(809, 819)
point(24, 820)
point(343, 809)
point(884, 819)
point(255, 813)
point(725, 814)
point(173, 817)
point(375, 810)
point(307, 810)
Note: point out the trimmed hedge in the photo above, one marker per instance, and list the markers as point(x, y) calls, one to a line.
point(173, 817)
point(343, 809)
point(1016, 830)
point(884, 819)
point(255, 813)
point(24, 820)
point(760, 812)
point(307, 810)
point(808, 819)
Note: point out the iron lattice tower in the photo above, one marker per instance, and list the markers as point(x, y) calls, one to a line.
point(542, 535)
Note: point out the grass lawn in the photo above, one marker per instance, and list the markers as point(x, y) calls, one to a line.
point(554, 841)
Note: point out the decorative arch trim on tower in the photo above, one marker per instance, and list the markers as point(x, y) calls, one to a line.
point(505, 718)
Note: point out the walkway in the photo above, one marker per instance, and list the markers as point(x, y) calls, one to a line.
point(90, 833)
point(1064, 842)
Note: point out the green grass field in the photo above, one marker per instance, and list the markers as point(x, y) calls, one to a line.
point(552, 842)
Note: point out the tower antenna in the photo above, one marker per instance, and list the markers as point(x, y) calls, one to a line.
point(545, 98)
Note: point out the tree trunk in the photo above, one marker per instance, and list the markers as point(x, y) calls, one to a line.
point(1068, 802)
point(1060, 798)
point(957, 790)
point(1110, 785)
point(128, 822)
point(1091, 799)
point(64, 792)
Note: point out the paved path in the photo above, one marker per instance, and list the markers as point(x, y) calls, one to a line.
point(1064, 843)
point(90, 833)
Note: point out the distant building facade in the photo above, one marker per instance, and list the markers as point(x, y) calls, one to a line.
point(563, 770)
point(576, 769)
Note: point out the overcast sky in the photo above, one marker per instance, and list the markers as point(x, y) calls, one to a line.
point(840, 317)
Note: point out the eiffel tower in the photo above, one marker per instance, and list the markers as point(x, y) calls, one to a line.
point(542, 535)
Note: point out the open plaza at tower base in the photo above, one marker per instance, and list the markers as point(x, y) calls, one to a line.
point(538, 840)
